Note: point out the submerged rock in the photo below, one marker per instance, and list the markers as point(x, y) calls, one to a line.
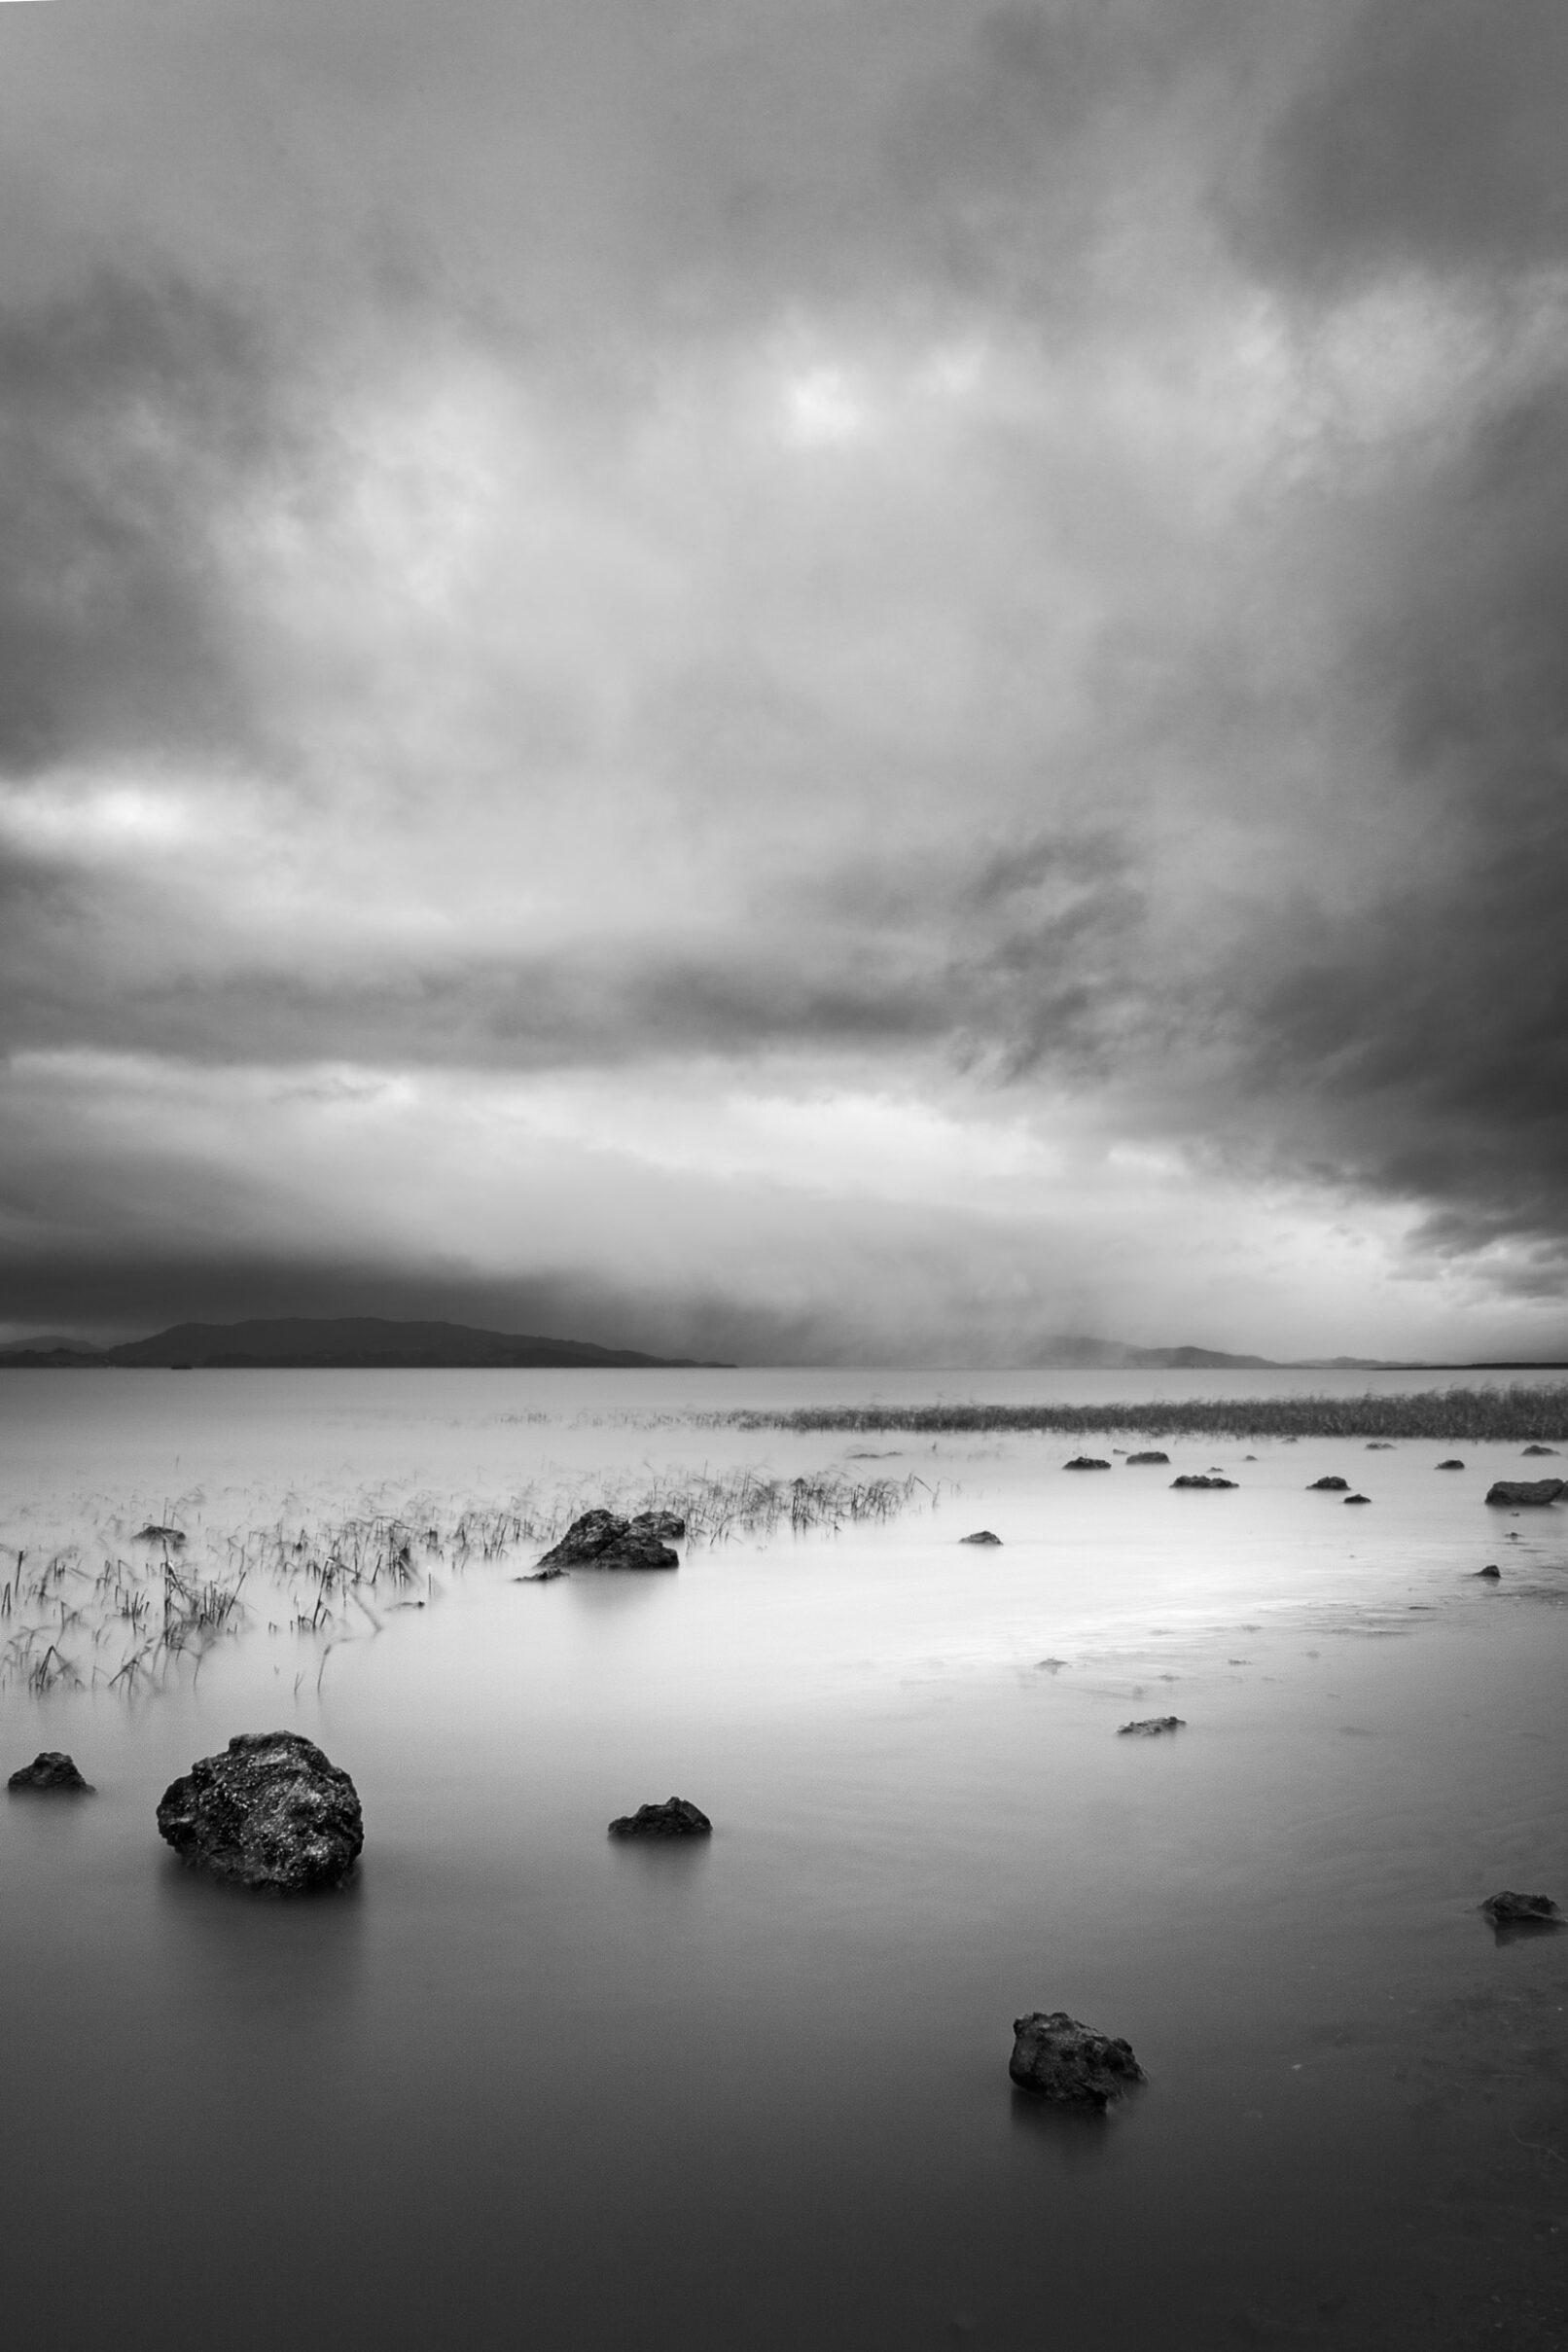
point(1198, 1477)
point(51, 1769)
point(1452, 1464)
point(271, 1813)
point(1151, 1726)
point(599, 1538)
point(1508, 1909)
point(981, 1535)
point(1534, 1492)
point(1380, 1446)
point(1057, 2058)
point(1085, 1461)
point(1328, 1486)
point(1133, 1459)
point(676, 1817)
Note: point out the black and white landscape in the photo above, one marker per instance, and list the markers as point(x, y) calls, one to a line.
point(783, 1174)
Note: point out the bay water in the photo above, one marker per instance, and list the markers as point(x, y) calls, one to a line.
point(522, 2085)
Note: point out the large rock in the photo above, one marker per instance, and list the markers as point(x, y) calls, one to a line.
point(271, 1813)
point(1134, 1460)
point(1540, 1449)
point(1531, 1492)
point(1085, 1461)
point(1059, 2059)
point(1508, 1909)
point(1453, 1463)
point(981, 1535)
point(1329, 1486)
point(1200, 1479)
point(50, 1770)
point(676, 1817)
point(1152, 1725)
point(601, 1539)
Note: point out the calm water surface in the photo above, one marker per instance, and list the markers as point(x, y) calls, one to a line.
point(522, 2087)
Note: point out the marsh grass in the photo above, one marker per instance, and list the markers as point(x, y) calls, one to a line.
point(127, 1621)
point(1451, 1415)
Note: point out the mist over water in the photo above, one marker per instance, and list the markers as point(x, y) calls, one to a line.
point(520, 2084)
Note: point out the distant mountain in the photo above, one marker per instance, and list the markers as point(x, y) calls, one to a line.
point(50, 1343)
point(1077, 1353)
point(371, 1341)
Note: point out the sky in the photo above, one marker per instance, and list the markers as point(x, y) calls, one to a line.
point(852, 681)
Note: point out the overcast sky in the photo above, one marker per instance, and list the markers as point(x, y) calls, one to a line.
point(835, 680)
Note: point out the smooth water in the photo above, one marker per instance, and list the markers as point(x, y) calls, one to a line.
point(520, 2086)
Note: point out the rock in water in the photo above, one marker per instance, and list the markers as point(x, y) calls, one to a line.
point(1199, 1478)
point(1536, 1491)
point(1059, 2059)
point(270, 1812)
point(1133, 1459)
point(981, 1535)
point(1493, 1570)
point(1508, 1909)
point(1453, 1463)
point(676, 1817)
point(1358, 1498)
point(1085, 1461)
point(601, 1539)
point(1328, 1486)
point(51, 1769)
point(1540, 1449)
point(1152, 1725)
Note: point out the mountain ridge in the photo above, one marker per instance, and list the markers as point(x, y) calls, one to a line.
point(294, 1342)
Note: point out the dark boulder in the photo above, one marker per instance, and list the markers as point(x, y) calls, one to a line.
point(1085, 1461)
point(152, 1533)
point(1495, 1574)
point(1057, 2058)
point(1134, 1460)
point(1382, 1446)
point(1533, 1492)
point(1358, 1498)
point(981, 1535)
point(1198, 1477)
point(1151, 1726)
point(1508, 1909)
point(601, 1539)
point(50, 1770)
point(1328, 1486)
point(1453, 1463)
point(270, 1813)
point(1540, 1449)
point(676, 1817)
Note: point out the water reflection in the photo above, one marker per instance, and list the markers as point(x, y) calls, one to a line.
point(1078, 2140)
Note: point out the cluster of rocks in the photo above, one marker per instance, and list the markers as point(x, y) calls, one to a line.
point(600, 1539)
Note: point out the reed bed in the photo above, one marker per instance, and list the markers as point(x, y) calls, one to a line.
point(125, 1615)
point(1448, 1416)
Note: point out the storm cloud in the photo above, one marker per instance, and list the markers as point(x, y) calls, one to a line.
point(860, 681)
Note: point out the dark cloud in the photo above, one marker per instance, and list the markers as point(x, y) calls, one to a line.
point(1433, 135)
point(134, 414)
point(1016, 552)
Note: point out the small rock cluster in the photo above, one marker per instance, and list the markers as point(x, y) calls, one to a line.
point(599, 1538)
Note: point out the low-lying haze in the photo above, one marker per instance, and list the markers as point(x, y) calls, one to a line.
point(846, 682)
